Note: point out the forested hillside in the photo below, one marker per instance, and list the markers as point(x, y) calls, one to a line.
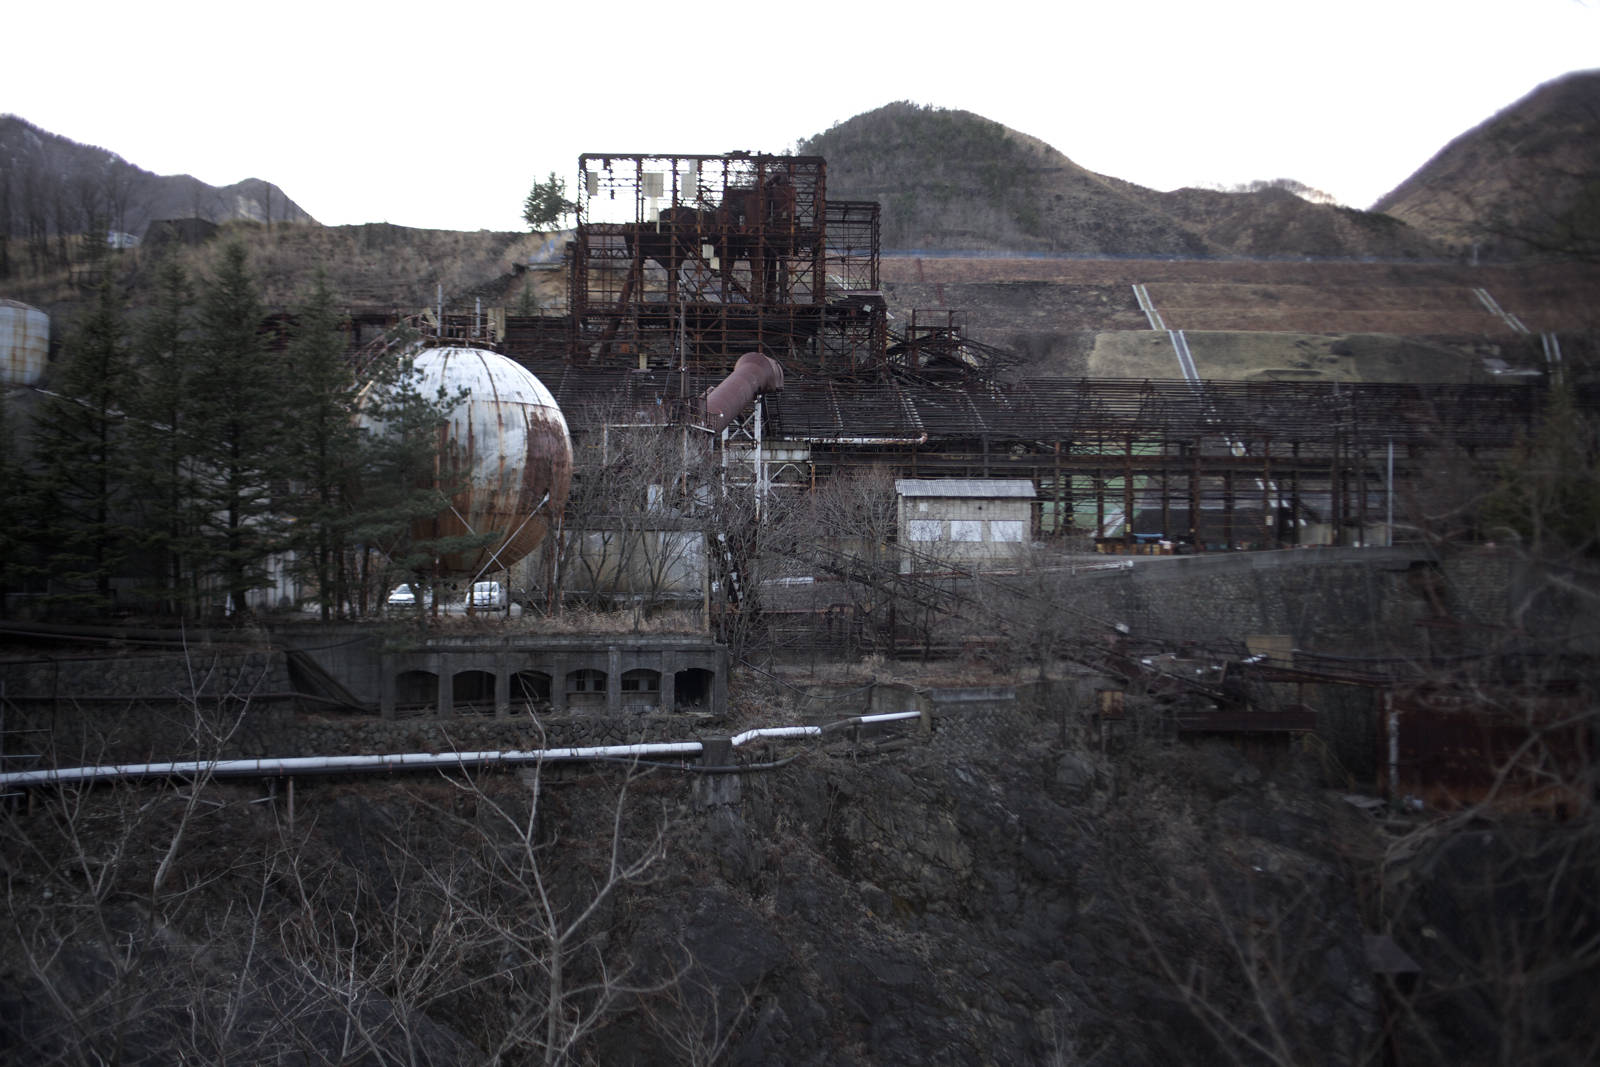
point(53, 190)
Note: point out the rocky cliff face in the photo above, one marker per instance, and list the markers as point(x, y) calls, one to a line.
point(997, 896)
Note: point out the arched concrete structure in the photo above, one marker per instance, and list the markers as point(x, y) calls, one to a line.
point(416, 687)
point(586, 687)
point(641, 688)
point(530, 687)
point(693, 690)
point(523, 669)
point(474, 690)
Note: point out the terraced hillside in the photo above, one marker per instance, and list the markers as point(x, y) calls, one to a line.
point(1264, 319)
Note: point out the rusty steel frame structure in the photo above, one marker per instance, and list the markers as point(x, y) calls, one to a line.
point(685, 262)
point(681, 263)
point(1214, 465)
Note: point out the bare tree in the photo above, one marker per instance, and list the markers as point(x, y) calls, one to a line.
point(844, 532)
point(466, 903)
point(637, 523)
point(696, 1017)
point(96, 880)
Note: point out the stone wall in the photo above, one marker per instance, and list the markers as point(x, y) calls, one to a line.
point(1339, 601)
point(201, 673)
point(238, 702)
point(229, 702)
point(144, 705)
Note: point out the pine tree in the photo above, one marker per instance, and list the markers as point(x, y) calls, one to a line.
point(240, 415)
point(160, 409)
point(14, 485)
point(324, 449)
point(1548, 496)
point(403, 493)
point(547, 204)
point(81, 498)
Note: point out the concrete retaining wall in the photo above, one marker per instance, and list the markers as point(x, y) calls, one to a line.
point(1340, 601)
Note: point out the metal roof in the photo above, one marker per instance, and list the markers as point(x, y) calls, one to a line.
point(988, 488)
point(1036, 411)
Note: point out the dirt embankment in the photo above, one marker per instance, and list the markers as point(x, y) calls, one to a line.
point(994, 894)
point(1334, 320)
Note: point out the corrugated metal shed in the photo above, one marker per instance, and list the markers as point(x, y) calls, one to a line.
point(985, 488)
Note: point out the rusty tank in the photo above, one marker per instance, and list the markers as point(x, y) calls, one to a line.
point(505, 457)
point(24, 343)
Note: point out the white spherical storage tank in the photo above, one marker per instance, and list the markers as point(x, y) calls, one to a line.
point(24, 343)
point(506, 458)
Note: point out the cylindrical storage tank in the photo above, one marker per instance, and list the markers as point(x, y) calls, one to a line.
point(24, 343)
point(506, 456)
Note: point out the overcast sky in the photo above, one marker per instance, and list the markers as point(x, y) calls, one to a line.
point(442, 114)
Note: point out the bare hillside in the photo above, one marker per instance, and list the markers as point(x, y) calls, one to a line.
point(1348, 321)
point(955, 180)
point(1524, 181)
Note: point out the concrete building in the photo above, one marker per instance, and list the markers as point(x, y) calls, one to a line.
point(968, 521)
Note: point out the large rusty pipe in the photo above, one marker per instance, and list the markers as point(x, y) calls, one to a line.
point(752, 375)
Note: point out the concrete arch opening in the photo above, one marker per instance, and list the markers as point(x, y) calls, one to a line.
point(416, 693)
point(472, 691)
point(641, 687)
point(692, 689)
point(530, 687)
point(586, 688)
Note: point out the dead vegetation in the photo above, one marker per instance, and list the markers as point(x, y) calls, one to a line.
point(374, 264)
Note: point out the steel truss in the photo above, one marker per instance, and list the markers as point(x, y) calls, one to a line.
point(1212, 464)
point(688, 261)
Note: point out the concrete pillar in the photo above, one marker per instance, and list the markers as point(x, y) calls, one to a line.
point(669, 682)
point(502, 687)
point(719, 681)
point(714, 790)
point(558, 684)
point(614, 680)
point(447, 680)
point(386, 680)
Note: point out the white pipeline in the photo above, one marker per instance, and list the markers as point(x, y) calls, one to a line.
point(288, 766)
point(291, 766)
point(818, 731)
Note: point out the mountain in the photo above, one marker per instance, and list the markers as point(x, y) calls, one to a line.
point(51, 185)
point(951, 179)
point(1525, 181)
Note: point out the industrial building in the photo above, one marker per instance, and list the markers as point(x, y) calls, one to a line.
point(680, 264)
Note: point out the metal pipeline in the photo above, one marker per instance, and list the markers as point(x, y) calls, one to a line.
point(293, 766)
point(752, 375)
point(818, 731)
point(298, 766)
point(920, 439)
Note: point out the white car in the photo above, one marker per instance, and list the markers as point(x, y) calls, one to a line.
point(403, 597)
point(489, 596)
